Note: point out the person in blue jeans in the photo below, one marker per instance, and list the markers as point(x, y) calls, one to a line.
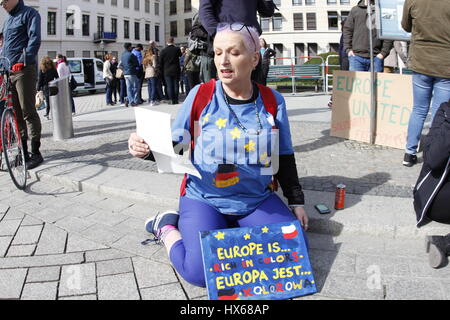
point(430, 47)
point(357, 42)
point(130, 63)
point(233, 190)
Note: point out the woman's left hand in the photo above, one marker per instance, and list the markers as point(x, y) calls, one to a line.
point(302, 216)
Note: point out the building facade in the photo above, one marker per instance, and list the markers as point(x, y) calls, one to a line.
point(90, 28)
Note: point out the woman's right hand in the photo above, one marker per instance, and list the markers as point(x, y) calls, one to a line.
point(137, 146)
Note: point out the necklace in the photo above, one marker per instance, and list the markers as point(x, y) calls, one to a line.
point(260, 127)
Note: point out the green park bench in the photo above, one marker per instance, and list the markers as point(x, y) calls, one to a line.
point(285, 73)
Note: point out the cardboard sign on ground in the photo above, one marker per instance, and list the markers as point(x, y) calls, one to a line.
point(351, 112)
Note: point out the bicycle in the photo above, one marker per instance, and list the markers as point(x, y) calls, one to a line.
point(11, 148)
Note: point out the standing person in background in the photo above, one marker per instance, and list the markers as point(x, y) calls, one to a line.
point(357, 42)
point(170, 68)
point(108, 76)
point(392, 60)
point(192, 68)
point(22, 32)
point(115, 83)
point(159, 91)
point(266, 54)
point(140, 71)
point(63, 72)
point(428, 21)
point(149, 63)
point(184, 84)
point(343, 57)
point(47, 73)
point(213, 12)
point(130, 64)
point(122, 84)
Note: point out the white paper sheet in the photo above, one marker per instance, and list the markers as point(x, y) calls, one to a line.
point(154, 127)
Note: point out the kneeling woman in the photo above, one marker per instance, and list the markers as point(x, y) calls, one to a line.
point(231, 153)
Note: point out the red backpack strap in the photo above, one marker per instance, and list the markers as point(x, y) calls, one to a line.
point(269, 100)
point(202, 98)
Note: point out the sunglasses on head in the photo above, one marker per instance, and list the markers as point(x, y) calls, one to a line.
point(236, 27)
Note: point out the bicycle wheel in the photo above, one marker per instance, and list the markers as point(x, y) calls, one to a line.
point(13, 150)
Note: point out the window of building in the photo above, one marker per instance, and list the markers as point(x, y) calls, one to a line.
point(310, 2)
point(331, 1)
point(114, 25)
point(85, 54)
point(100, 24)
point(147, 6)
point(69, 24)
point(334, 47)
point(311, 21)
point(51, 54)
point(137, 35)
point(114, 3)
point(296, 2)
point(312, 49)
point(265, 24)
point(187, 5)
point(126, 29)
point(173, 29)
point(277, 22)
point(51, 23)
point(85, 25)
point(344, 15)
point(299, 53)
point(173, 7)
point(156, 8)
point(126, 3)
point(333, 19)
point(187, 26)
point(70, 53)
point(115, 53)
point(137, 4)
point(157, 33)
point(277, 2)
point(345, 1)
point(278, 47)
point(298, 21)
point(147, 32)
point(101, 1)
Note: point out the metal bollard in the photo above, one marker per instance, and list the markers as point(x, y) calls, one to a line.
point(61, 109)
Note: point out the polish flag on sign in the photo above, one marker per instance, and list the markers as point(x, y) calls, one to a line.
point(289, 232)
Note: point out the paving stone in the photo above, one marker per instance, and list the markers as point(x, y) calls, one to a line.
point(40, 291)
point(3, 208)
point(106, 254)
point(332, 261)
point(74, 224)
point(43, 274)
point(85, 297)
point(4, 245)
point(352, 287)
point(112, 267)
point(412, 289)
point(108, 218)
point(113, 205)
point(14, 214)
point(193, 292)
point(172, 291)
point(11, 283)
point(52, 214)
point(52, 240)
point(76, 243)
point(9, 227)
point(132, 243)
point(42, 261)
point(102, 234)
point(27, 235)
point(31, 221)
point(77, 280)
point(118, 287)
point(25, 250)
point(387, 266)
point(151, 274)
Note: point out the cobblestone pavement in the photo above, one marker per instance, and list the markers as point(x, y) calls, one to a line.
point(60, 244)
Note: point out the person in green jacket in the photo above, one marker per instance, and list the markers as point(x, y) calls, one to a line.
point(428, 21)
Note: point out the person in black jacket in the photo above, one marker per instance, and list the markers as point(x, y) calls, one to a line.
point(266, 54)
point(170, 68)
point(432, 191)
point(47, 73)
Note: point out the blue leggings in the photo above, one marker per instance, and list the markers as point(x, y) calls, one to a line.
point(196, 216)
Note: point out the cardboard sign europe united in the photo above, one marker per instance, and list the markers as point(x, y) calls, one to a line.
point(351, 107)
point(257, 263)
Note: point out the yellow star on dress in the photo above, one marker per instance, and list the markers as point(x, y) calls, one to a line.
point(250, 146)
point(235, 133)
point(246, 236)
point(221, 123)
point(220, 235)
point(265, 230)
point(206, 118)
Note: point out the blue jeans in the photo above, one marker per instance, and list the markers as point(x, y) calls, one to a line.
point(426, 90)
point(108, 94)
point(132, 88)
point(151, 87)
point(358, 63)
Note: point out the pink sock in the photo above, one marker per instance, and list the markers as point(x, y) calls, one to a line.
point(166, 229)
